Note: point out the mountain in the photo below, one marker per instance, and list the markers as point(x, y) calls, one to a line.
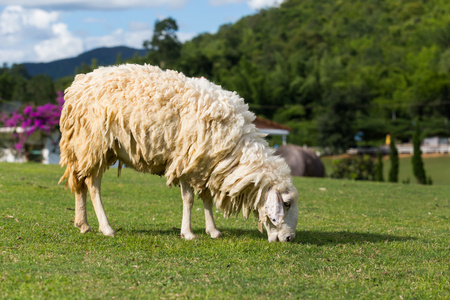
point(66, 67)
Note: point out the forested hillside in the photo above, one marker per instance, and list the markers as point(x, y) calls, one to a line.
point(329, 69)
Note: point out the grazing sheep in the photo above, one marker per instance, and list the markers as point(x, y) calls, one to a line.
point(190, 130)
point(302, 162)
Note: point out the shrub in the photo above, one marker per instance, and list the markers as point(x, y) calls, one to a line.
point(393, 157)
point(379, 167)
point(416, 160)
point(356, 168)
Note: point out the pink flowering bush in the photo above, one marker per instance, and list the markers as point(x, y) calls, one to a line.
point(44, 118)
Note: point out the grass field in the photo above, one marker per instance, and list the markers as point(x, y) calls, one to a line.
point(438, 167)
point(358, 240)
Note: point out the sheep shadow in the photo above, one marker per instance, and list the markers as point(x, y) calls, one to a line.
point(311, 237)
point(322, 238)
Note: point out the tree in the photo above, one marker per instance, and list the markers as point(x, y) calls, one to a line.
point(374, 64)
point(379, 167)
point(336, 122)
point(6, 86)
point(164, 48)
point(119, 59)
point(40, 90)
point(417, 163)
point(85, 68)
point(393, 157)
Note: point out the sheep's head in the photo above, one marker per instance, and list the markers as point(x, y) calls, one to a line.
point(279, 214)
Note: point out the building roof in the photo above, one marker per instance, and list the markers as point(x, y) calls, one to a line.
point(271, 127)
point(262, 123)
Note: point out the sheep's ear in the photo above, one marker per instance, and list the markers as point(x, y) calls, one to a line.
point(274, 207)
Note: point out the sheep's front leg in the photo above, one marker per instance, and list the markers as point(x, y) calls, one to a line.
point(187, 194)
point(94, 185)
point(80, 208)
point(211, 228)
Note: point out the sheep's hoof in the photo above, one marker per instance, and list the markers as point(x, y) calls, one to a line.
point(188, 236)
point(84, 228)
point(108, 232)
point(214, 233)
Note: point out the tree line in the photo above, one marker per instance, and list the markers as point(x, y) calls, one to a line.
point(327, 69)
point(17, 85)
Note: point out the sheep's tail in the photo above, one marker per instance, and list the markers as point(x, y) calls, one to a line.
point(73, 182)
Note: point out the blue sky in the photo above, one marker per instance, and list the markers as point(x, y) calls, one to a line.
point(47, 30)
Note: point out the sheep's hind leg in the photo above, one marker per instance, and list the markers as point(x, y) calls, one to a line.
point(187, 194)
point(80, 209)
point(211, 228)
point(94, 185)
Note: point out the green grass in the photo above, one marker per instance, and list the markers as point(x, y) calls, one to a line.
point(358, 240)
point(436, 167)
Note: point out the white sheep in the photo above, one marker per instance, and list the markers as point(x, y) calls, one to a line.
point(190, 130)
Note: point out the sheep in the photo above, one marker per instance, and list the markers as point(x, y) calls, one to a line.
point(302, 162)
point(196, 134)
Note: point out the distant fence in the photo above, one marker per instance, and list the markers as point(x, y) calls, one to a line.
point(402, 149)
point(426, 149)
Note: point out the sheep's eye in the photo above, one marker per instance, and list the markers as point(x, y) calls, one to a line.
point(287, 204)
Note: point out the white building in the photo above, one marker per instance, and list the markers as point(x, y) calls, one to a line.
point(40, 147)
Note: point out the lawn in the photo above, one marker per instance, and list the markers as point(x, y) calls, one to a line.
point(359, 240)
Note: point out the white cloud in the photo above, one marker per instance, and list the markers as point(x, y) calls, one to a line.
point(12, 55)
point(116, 38)
point(119, 38)
point(27, 33)
point(95, 4)
point(35, 35)
point(62, 45)
point(258, 4)
point(139, 26)
point(42, 19)
point(254, 4)
point(17, 20)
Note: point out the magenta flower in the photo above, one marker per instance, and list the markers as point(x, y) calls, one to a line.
point(44, 117)
point(28, 110)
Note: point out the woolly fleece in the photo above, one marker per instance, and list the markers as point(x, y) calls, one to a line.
point(165, 123)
